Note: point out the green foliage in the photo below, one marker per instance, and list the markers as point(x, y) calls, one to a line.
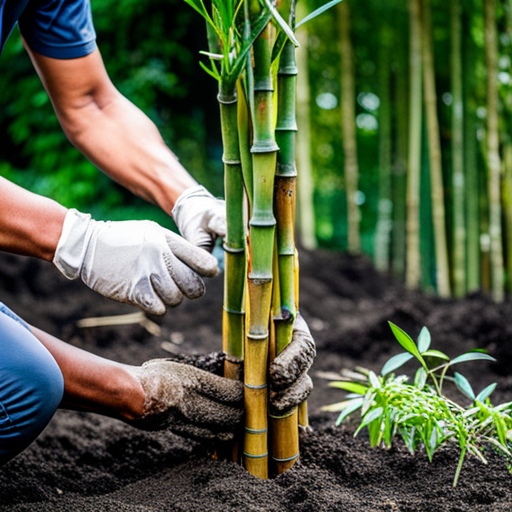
point(420, 413)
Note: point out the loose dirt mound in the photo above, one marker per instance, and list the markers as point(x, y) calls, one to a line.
point(84, 462)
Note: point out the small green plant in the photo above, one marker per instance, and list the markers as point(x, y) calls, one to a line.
point(419, 412)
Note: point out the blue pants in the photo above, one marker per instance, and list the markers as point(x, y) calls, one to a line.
point(31, 385)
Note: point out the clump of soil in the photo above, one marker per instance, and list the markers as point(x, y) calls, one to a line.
point(85, 462)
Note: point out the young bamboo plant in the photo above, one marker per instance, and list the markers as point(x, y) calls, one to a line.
point(420, 413)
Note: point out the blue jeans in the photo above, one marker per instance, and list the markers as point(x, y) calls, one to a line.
point(31, 385)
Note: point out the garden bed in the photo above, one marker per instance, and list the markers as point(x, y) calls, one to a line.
point(85, 462)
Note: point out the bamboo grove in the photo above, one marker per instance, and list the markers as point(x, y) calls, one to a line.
point(252, 56)
point(409, 118)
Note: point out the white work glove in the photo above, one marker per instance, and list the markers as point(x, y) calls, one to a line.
point(137, 262)
point(200, 217)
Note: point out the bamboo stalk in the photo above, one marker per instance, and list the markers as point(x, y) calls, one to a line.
point(349, 128)
point(436, 173)
point(493, 156)
point(459, 217)
point(413, 267)
point(261, 247)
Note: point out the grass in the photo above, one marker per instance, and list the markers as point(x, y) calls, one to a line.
point(419, 412)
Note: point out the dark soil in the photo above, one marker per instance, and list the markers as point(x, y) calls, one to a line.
point(85, 462)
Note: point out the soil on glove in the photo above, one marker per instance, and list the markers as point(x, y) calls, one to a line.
point(86, 462)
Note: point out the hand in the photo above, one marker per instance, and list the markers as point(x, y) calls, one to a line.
point(188, 401)
point(137, 262)
point(290, 384)
point(200, 217)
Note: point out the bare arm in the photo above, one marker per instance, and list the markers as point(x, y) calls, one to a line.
point(110, 131)
point(29, 224)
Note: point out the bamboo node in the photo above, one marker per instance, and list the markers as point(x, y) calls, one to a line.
point(288, 71)
point(281, 416)
point(256, 431)
point(233, 311)
point(268, 146)
point(255, 456)
point(285, 460)
point(232, 250)
point(230, 162)
point(227, 100)
point(257, 337)
point(252, 386)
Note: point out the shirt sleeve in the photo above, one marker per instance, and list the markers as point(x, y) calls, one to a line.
point(60, 29)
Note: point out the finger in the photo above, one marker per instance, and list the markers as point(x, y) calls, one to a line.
point(145, 297)
point(283, 400)
point(202, 411)
point(212, 362)
point(217, 222)
point(293, 361)
point(184, 277)
point(196, 258)
point(167, 289)
point(220, 389)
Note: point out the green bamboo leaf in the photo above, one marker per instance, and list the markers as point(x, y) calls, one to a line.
point(395, 362)
point(374, 380)
point(501, 430)
point(464, 385)
point(213, 56)
point(317, 12)
point(405, 340)
point(485, 393)
point(472, 356)
point(282, 24)
point(371, 416)
point(367, 402)
point(211, 72)
point(424, 340)
point(435, 353)
point(420, 378)
point(349, 409)
point(337, 407)
point(353, 387)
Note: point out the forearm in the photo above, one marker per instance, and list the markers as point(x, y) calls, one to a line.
point(124, 143)
point(29, 224)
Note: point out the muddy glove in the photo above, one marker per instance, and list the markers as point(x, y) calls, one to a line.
point(290, 384)
point(137, 262)
point(200, 217)
point(188, 401)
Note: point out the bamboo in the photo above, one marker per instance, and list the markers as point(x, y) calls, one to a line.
point(385, 204)
point(459, 217)
point(493, 156)
point(400, 162)
point(261, 247)
point(305, 183)
point(436, 174)
point(413, 267)
point(348, 101)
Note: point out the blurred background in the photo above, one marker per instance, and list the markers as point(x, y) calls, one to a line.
point(405, 111)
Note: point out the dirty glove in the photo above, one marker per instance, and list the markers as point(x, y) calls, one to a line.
point(188, 401)
point(137, 262)
point(290, 384)
point(200, 217)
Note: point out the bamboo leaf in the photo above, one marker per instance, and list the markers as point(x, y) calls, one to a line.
point(420, 378)
point(435, 353)
point(353, 387)
point(406, 341)
point(464, 385)
point(211, 72)
point(472, 356)
point(349, 409)
point(485, 393)
point(317, 12)
point(424, 340)
point(282, 24)
point(395, 362)
point(374, 380)
point(371, 416)
point(213, 56)
point(337, 407)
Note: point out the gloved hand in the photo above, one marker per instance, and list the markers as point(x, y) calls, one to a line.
point(200, 217)
point(290, 384)
point(188, 401)
point(137, 262)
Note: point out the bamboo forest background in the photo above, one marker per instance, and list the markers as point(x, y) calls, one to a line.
point(405, 129)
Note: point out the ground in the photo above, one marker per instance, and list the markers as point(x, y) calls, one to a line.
point(85, 462)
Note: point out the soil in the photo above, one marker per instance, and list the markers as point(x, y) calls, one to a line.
point(85, 462)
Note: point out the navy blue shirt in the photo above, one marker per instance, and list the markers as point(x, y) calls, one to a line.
point(61, 29)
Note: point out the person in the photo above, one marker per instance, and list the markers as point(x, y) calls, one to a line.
point(136, 262)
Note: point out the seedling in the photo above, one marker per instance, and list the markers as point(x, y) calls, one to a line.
point(419, 412)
